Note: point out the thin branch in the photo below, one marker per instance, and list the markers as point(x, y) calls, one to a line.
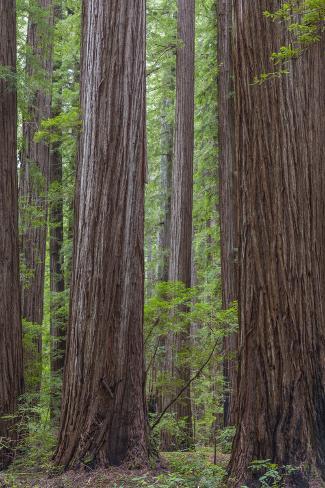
point(156, 322)
point(197, 374)
point(152, 359)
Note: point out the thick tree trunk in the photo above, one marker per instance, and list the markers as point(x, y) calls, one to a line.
point(279, 134)
point(33, 188)
point(182, 188)
point(103, 410)
point(227, 197)
point(11, 350)
point(57, 285)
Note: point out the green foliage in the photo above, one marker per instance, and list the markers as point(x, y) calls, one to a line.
point(170, 425)
point(59, 128)
point(270, 475)
point(225, 439)
point(38, 430)
point(174, 308)
point(187, 470)
point(9, 75)
point(305, 21)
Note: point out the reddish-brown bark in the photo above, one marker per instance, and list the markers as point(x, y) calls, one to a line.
point(57, 282)
point(33, 186)
point(103, 410)
point(182, 191)
point(57, 286)
point(227, 197)
point(11, 350)
point(279, 139)
point(167, 139)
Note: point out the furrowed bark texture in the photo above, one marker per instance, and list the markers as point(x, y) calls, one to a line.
point(182, 186)
point(227, 197)
point(11, 352)
point(33, 186)
point(103, 410)
point(279, 134)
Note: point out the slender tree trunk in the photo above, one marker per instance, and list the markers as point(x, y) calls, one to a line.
point(33, 187)
point(57, 308)
point(227, 198)
point(57, 285)
point(279, 134)
point(11, 351)
point(72, 168)
point(103, 410)
point(166, 165)
point(182, 187)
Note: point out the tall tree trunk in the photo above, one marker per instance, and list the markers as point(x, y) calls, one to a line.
point(227, 198)
point(166, 165)
point(33, 186)
point(57, 309)
point(57, 285)
point(11, 349)
point(103, 410)
point(182, 187)
point(279, 141)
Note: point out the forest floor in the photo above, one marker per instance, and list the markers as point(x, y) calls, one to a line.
point(178, 470)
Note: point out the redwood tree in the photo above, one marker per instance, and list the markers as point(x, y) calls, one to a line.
point(180, 267)
point(279, 139)
point(34, 178)
point(57, 282)
point(11, 355)
point(166, 164)
point(103, 409)
point(227, 196)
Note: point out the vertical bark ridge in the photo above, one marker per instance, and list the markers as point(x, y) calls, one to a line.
point(11, 356)
point(104, 413)
point(182, 187)
point(33, 186)
point(228, 197)
point(279, 134)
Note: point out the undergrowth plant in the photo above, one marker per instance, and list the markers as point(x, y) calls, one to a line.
point(271, 475)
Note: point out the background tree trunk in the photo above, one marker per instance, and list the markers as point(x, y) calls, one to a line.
point(58, 314)
point(227, 198)
point(279, 140)
point(104, 412)
point(11, 352)
point(33, 185)
point(182, 188)
point(166, 164)
point(57, 285)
